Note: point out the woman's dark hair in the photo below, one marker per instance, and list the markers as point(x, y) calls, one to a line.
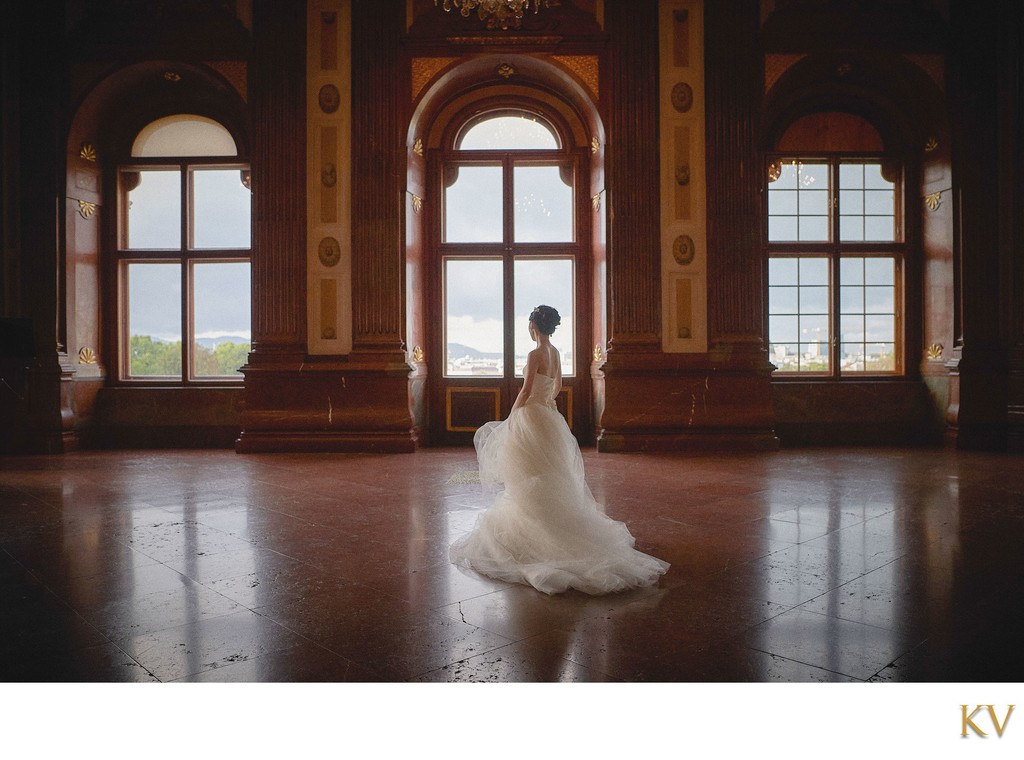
point(546, 319)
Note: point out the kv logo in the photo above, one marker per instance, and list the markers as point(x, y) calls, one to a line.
point(967, 721)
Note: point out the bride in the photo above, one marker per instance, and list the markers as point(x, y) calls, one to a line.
point(545, 529)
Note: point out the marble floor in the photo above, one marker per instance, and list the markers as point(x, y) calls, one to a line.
point(798, 565)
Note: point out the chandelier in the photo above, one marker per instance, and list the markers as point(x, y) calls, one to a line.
point(498, 14)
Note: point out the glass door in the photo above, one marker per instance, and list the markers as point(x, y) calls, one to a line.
point(508, 240)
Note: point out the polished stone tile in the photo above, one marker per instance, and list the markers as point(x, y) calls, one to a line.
point(202, 645)
point(515, 663)
point(806, 566)
point(840, 646)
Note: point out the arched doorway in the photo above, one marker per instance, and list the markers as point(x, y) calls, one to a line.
point(509, 174)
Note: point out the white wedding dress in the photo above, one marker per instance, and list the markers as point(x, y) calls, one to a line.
point(545, 529)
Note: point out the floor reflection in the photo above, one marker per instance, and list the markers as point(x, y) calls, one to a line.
point(825, 565)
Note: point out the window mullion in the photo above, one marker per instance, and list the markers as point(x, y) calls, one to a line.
point(186, 280)
point(835, 339)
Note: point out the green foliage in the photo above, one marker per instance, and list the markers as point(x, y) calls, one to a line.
point(153, 358)
point(150, 358)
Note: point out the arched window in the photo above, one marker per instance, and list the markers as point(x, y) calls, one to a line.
point(183, 254)
point(512, 231)
point(836, 251)
point(509, 241)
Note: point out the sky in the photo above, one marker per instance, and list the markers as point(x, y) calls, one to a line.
point(543, 212)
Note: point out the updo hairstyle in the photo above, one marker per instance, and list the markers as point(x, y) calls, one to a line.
point(546, 319)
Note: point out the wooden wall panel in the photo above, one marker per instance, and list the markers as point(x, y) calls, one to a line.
point(279, 177)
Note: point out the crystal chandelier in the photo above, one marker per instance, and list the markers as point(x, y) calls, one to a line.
point(498, 14)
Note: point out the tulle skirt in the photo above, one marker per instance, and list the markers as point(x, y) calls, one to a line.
point(545, 529)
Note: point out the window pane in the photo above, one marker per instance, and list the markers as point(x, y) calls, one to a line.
point(851, 328)
point(878, 202)
point(785, 356)
point(814, 228)
point(879, 328)
point(880, 357)
point(222, 334)
point(814, 328)
point(543, 205)
point(787, 178)
point(853, 357)
point(782, 300)
point(221, 214)
point(866, 194)
point(814, 202)
point(782, 202)
point(851, 299)
point(879, 228)
point(873, 178)
point(851, 228)
point(798, 203)
point(550, 282)
point(813, 271)
point(798, 314)
point(184, 135)
point(880, 271)
point(851, 177)
point(879, 300)
point(154, 209)
point(813, 300)
point(154, 319)
point(472, 206)
point(851, 202)
point(474, 327)
point(783, 329)
point(814, 357)
point(782, 271)
point(868, 314)
point(509, 133)
point(813, 176)
point(782, 228)
point(851, 270)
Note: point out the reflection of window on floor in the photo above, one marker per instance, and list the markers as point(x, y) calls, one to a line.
point(184, 250)
point(834, 267)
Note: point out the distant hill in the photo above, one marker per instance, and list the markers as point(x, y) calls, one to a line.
point(214, 342)
point(458, 350)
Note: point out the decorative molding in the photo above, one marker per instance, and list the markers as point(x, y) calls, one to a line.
point(418, 355)
point(595, 145)
point(595, 200)
point(586, 67)
point(935, 351)
point(88, 152)
point(931, 144)
point(933, 200)
point(424, 69)
point(329, 175)
point(87, 355)
point(329, 251)
point(683, 175)
point(682, 97)
point(329, 98)
point(417, 147)
point(86, 209)
point(683, 250)
point(506, 71)
point(598, 353)
point(417, 203)
point(450, 393)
